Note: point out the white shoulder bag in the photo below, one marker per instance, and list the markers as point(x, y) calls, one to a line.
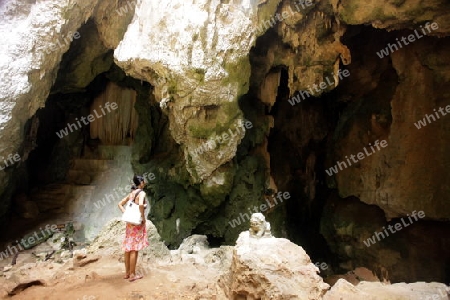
point(132, 213)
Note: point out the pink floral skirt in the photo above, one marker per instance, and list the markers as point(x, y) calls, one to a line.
point(135, 238)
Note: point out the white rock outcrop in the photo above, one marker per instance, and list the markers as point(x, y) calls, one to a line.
point(271, 268)
point(195, 53)
point(35, 36)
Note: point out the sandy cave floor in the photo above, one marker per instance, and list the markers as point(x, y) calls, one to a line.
point(104, 280)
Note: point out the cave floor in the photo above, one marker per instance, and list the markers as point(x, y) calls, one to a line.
point(104, 280)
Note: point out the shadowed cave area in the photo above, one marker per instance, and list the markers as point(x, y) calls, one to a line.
point(107, 116)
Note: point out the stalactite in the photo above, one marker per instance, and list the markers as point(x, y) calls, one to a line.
point(117, 126)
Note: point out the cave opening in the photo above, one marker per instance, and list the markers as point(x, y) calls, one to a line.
point(68, 158)
point(302, 140)
point(81, 145)
point(86, 120)
point(298, 149)
point(369, 110)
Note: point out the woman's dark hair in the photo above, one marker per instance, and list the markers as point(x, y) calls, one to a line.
point(137, 180)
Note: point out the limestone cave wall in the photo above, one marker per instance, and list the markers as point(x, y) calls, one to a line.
point(296, 87)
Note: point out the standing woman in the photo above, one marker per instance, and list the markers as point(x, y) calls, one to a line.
point(135, 235)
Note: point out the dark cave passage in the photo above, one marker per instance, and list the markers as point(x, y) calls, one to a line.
point(307, 139)
point(298, 150)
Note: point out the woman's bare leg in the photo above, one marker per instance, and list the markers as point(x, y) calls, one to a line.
point(127, 265)
point(133, 262)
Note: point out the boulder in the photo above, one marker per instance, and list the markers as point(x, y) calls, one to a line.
point(194, 244)
point(109, 241)
point(384, 291)
point(354, 277)
point(271, 268)
point(345, 290)
point(195, 250)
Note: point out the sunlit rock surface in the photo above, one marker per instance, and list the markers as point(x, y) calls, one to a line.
point(393, 14)
point(381, 291)
point(37, 35)
point(271, 268)
point(196, 54)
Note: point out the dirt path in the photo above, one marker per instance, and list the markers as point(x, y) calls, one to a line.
point(104, 280)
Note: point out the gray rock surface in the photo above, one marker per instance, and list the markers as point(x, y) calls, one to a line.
point(109, 242)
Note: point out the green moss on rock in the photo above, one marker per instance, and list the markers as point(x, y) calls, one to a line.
point(238, 73)
point(215, 191)
point(226, 116)
point(348, 13)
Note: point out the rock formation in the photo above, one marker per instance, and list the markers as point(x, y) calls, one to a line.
point(271, 268)
point(378, 291)
point(199, 69)
point(109, 242)
point(255, 268)
point(190, 76)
